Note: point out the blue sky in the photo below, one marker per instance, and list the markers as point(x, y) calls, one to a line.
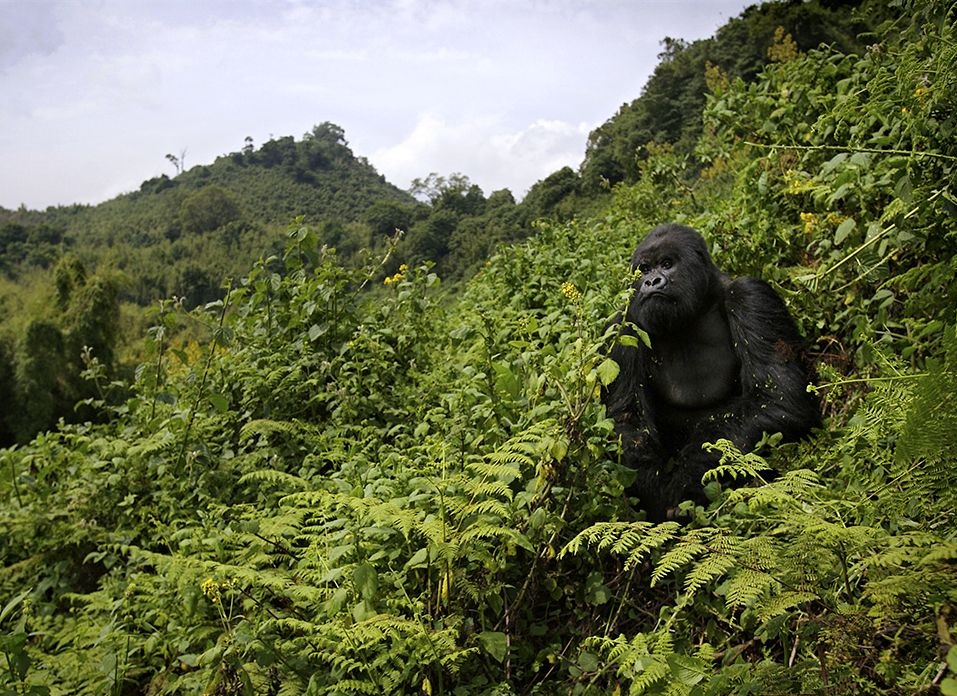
point(97, 92)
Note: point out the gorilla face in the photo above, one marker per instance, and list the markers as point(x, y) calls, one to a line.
point(677, 281)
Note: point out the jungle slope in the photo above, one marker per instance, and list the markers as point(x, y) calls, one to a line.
point(397, 492)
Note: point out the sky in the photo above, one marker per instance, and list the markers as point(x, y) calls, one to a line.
point(95, 93)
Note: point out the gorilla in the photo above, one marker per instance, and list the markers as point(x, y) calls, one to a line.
point(725, 361)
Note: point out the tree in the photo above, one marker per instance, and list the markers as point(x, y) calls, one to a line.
point(546, 196)
point(429, 239)
point(69, 274)
point(386, 215)
point(208, 209)
point(92, 321)
point(434, 186)
point(179, 163)
point(8, 396)
point(41, 385)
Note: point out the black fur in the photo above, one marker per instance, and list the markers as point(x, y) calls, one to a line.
point(725, 362)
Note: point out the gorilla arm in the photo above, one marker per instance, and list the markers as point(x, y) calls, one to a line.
point(773, 394)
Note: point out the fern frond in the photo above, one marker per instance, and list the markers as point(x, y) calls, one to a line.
point(485, 531)
point(505, 463)
point(930, 425)
point(603, 535)
point(735, 464)
point(658, 535)
point(159, 442)
point(654, 672)
point(759, 552)
point(389, 514)
point(501, 470)
point(266, 426)
point(677, 558)
point(487, 488)
point(781, 603)
point(277, 478)
point(707, 570)
point(746, 586)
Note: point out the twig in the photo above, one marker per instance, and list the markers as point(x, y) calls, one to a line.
point(847, 148)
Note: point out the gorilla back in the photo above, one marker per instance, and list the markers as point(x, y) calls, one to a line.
point(724, 362)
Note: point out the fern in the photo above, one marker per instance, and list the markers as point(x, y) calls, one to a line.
point(681, 555)
point(279, 479)
point(930, 428)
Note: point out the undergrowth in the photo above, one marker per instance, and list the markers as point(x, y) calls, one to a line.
point(347, 489)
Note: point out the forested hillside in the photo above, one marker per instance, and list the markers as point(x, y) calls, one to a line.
point(183, 235)
point(75, 276)
point(669, 108)
point(342, 479)
point(81, 276)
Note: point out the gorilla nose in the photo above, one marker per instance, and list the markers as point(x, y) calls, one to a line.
point(653, 283)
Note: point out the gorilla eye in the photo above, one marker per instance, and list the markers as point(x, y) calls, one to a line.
point(666, 263)
point(644, 266)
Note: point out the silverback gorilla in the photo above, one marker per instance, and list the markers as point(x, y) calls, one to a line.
point(724, 362)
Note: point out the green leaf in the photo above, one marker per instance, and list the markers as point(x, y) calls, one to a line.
point(495, 643)
point(506, 381)
point(420, 559)
point(844, 230)
point(219, 402)
point(608, 371)
point(338, 600)
point(13, 604)
point(687, 670)
point(558, 449)
point(952, 658)
point(588, 662)
point(13, 646)
point(366, 580)
point(948, 687)
point(596, 591)
point(628, 341)
point(362, 611)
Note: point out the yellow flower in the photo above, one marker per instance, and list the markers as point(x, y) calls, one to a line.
point(395, 278)
point(796, 183)
point(810, 222)
point(570, 291)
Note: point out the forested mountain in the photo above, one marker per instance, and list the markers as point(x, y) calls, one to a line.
point(341, 479)
point(668, 112)
point(184, 235)
point(78, 275)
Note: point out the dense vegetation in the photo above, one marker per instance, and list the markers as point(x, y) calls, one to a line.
point(669, 108)
point(182, 236)
point(340, 479)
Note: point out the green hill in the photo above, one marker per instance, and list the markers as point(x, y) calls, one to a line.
point(184, 235)
point(344, 484)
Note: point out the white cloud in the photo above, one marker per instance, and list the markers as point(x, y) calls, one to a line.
point(97, 92)
point(496, 156)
